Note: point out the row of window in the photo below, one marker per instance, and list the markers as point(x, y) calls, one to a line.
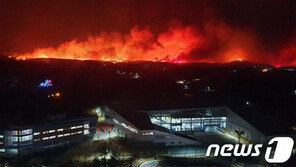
point(86, 126)
point(22, 132)
point(85, 132)
point(189, 124)
point(25, 132)
point(147, 133)
point(125, 126)
point(25, 138)
point(166, 119)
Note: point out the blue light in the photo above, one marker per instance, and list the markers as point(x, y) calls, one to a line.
point(46, 83)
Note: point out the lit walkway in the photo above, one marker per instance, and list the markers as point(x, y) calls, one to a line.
point(151, 163)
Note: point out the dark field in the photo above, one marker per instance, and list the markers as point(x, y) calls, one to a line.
point(86, 84)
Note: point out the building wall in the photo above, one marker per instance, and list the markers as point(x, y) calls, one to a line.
point(235, 122)
point(227, 119)
point(167, 139)
point(155, 136)
point(216, 118)
point(121, 124)
point(105, 135)
point(183, 122)
point(27, 140)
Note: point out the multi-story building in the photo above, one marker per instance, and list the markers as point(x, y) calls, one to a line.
point(29, 139)
point(137, 126)
point(176, 120)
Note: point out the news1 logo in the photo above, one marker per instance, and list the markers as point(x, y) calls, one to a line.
point(282, 151)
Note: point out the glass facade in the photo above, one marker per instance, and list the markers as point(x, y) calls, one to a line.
point(188, 123)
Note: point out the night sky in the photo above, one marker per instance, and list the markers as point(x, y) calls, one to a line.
point(163, 30)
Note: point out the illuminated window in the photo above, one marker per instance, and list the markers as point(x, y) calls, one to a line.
point(61, 129)
point(223, 125)
point(86, 132)
point(15, 132)
point(79, 132)
point(67, 134)
point(176, 120)
point(26, 138)
point(155, 120)
point(52, 137)
point(147, 133)
point(60, 135)
point(36, 133)
point(186, 120)
point(166, 119)
point(196, 126)
point(196, 120)
point(186, 127)
point(1, 136)
point(125, 126)
point(25, 132)
point(36, 140)
point(168, 126)
point(2, 150)
point(86, 125)
point(45, 138)
point(73, 127)
point(176, 128)
point(206, 121)
point(15, 138)
point(51, 131)
point(80, 126)
point(215, 120)
point(45, 132)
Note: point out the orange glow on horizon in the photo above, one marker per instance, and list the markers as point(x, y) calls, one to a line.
point(179, 44)
point(138, 45)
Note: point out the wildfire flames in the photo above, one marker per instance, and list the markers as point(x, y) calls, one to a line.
point(139, 44)
point(215, 43)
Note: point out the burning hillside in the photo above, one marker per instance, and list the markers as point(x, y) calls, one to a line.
point(216, 43)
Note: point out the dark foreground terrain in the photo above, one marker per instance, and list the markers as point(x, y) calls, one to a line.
point(82, 85)
point(85, 84)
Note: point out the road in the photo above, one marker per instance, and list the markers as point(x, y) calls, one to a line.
point(151, 163)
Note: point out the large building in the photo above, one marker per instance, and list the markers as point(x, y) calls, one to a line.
point(181, 121)
point(137, 126)
point(59, 131)
point(172, 122)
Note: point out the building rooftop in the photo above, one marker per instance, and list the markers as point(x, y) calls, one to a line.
point(253, 114)
point(142, 121)
point(139, 119)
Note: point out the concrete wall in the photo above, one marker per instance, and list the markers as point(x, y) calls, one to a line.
point(167, 139)
point(113, 115)
point(235, 122)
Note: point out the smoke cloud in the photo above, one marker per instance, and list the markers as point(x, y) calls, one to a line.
point(167, 31)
